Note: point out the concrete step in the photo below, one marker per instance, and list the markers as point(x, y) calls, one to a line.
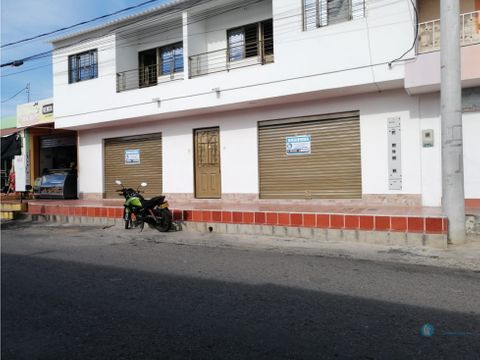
point(7, 215)
point(8, 207)
point(10, 211)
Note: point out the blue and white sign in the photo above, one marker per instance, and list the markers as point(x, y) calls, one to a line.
point(132, 157)
point(298, 145)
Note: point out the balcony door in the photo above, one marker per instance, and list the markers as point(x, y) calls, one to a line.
point(147, 72)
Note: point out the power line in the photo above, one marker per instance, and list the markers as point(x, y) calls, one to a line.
point(10, 98)
point(248, 86)
point(128, 28)
point(414, 39)
point(80, 23)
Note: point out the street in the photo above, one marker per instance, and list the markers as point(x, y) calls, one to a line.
point(87, 292)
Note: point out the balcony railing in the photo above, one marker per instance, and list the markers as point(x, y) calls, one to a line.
point(233, 57)
point(145, 76)
point(429, 32)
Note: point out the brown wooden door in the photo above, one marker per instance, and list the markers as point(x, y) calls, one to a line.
point(207, 163)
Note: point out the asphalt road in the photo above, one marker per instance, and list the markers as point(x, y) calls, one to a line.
point(72, 292)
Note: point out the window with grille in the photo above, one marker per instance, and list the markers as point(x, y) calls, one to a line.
point(171, 58)
point(83, 66)
point(318, 13)
point(250, 41)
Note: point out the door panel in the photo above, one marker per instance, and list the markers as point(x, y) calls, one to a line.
point(207, 163)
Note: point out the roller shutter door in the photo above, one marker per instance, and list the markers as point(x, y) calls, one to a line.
point(146, 166)
point(332, 170)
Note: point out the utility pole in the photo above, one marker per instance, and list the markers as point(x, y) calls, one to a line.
point(453, 198)
point(28, 92)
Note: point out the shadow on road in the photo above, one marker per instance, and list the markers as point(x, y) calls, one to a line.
point(70, 310)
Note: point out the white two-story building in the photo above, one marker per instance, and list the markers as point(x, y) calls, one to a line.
point(267, 99)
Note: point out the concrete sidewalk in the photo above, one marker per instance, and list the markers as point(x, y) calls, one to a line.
point(465, 257)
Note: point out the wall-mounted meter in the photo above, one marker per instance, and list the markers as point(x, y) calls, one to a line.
point(427, 138)
point(394, 154)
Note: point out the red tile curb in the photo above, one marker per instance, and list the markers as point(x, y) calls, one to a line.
point(412, 224)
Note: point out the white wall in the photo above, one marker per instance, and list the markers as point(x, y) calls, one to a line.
point(431, 158)
point(129, 45)
point(238, 153)
point(334, 57)
point(471, 154)
point(87, 96)
point(239, 148)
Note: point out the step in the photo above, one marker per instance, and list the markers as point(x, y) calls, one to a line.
point(22, 207)
point(7, 215)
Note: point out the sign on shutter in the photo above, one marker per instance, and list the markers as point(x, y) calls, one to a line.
point(132, 157)
point(298, 145)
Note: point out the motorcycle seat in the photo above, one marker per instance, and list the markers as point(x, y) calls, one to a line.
point(157, 200)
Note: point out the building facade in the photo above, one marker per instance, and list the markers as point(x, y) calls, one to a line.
point(278, 100)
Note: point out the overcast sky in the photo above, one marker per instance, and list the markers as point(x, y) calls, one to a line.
point(25, 18)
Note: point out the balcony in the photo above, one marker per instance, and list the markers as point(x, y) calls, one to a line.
point(144, 77)
point(232, 57)
point(423, 75)
point(429, 32)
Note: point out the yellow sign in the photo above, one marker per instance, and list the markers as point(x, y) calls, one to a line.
point(39, 112)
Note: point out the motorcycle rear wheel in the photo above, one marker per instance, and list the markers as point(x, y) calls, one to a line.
point(164, 219)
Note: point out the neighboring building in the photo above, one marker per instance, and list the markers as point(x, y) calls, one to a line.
point(273, 99)
point(45, 148)
point(10, 143)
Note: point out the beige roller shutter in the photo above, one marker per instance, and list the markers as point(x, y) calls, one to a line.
point(332, 170)
point(148, 168)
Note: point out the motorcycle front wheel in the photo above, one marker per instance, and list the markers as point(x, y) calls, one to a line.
point(164, 219)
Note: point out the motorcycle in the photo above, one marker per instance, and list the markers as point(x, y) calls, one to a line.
point(137, 210)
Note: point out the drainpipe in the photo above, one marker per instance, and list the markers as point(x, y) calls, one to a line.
point(453, 198)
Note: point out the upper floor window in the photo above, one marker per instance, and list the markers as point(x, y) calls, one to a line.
point(83, 66)
point(317, 13)
point(251, 41)
point(165, 60)
point(171, 58)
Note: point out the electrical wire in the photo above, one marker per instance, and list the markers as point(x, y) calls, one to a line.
point(127, 28)
point(226, 89)
point(414, 39)
point(163, 29)
point(199, 18)
point(12, 97)
point(79, 24)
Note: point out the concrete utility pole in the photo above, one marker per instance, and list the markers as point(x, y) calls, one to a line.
point(453, 198)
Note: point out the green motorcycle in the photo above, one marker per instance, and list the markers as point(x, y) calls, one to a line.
point(137, 210)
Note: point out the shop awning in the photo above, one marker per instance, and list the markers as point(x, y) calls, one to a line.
point(11, 146)
point(6, 132)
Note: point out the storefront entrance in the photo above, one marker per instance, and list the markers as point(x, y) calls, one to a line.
point(314, 157)
point(57, 152)
point(133, 160)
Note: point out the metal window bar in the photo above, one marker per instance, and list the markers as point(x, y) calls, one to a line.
point(319, 13)
point(145, 76)
point(252, 53)
point(83, 66)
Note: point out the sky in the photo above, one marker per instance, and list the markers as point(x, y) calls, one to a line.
point(25, 18)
